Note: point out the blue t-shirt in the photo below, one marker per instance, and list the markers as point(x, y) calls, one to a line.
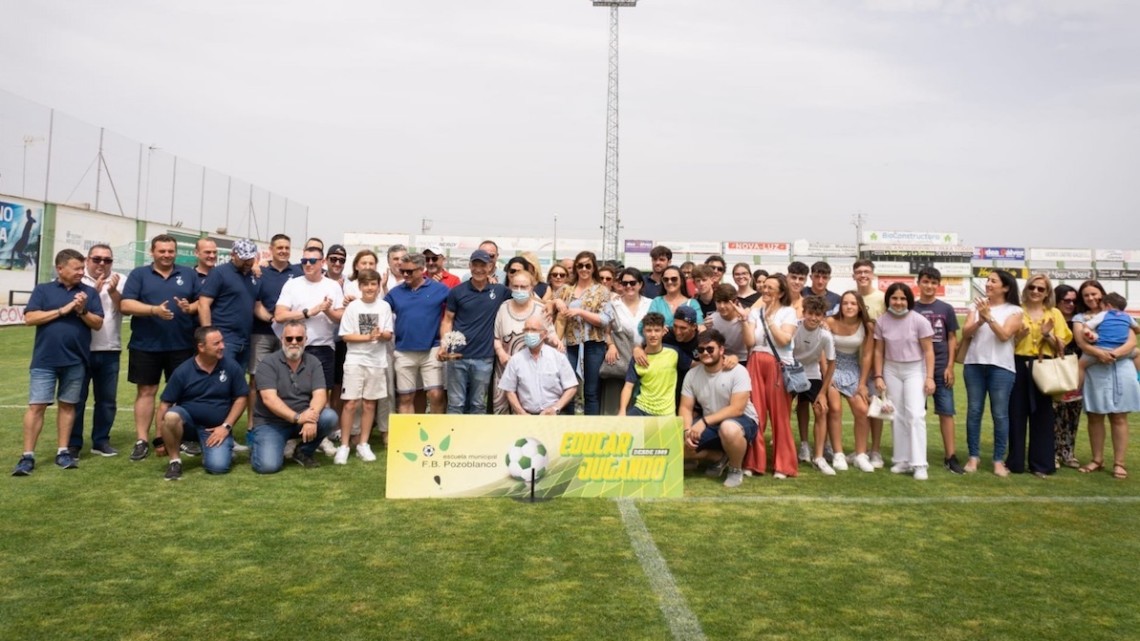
point(207, 396)
point(66, 340)
point(475, 312)
point(272, 281)
point(147, 286)
point(1114, 329)
point(831, 297)
point(234, 294)
point(418, 314)
point(945, 322)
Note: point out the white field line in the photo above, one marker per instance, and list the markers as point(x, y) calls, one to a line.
point(899, 500)
point(682, 622)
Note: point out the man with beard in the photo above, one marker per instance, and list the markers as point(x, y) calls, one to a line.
point(291, 403)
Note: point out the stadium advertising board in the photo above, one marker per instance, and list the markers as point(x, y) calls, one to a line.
point(1068, 274)
point(451, 456)
point(638, 246)
point(742, 248)
point(1118, 274)
point(1017, 272)
point(999, 253)
point(1060, 255)
point(910, 237)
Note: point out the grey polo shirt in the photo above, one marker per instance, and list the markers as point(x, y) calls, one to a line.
point(295, 388)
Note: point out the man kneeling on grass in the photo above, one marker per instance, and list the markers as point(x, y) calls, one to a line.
point(205, 394)
point(290, 403)
point(728, 424)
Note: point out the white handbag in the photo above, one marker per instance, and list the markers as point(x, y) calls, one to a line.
point(881, 409)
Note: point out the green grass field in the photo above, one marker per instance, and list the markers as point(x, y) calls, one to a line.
point(110, 551)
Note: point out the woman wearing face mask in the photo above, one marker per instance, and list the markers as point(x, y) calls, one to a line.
point(993, 322)
point(904, 372)
point(509, 334)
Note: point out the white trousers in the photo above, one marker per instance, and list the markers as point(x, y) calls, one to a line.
point(904, 388)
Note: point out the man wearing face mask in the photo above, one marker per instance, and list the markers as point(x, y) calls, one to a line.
point(471, 309)
point(539, 379)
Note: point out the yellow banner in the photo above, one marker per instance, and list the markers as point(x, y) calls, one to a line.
point(446, 456)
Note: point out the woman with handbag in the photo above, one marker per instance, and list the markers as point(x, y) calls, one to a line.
point(580, 325)
point(623, 314)
point(1067, 408)
point(991, 325)
point(768, 333)
point(1111, 388)
point(1043, 333)
point(904, 372)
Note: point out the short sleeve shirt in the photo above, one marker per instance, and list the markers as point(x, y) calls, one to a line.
point(418, 314)
point(475, 312)
point(944, 321)
point(361, 318)
point(901, 336)
point(831, 297)
point(295, 388)
point(233, 294)
point(656, 384)
point(147, 286)
point(206, 396)
point(272, 280)
point(713, 392)
point(540, 382)
point(63, 341)
point(809, 345)
point(783, 316)
point(302, 293)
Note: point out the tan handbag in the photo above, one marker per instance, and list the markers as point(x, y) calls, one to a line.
point(1055, 376)
point(963, 347)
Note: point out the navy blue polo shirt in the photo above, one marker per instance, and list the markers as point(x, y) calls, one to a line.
point(475, 312)
point(650, 289)
point(66, 340)
point(234, 294)
point(272, 282)
point(147, 286)
point(418, 314)
point(207, 396)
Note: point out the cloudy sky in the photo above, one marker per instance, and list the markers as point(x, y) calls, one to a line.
point(1010, 122)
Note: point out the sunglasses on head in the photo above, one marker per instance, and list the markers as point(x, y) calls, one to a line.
point(707, 349)
point(335, 259)
point(99, 260)
point(293, 339)
point(310, 261)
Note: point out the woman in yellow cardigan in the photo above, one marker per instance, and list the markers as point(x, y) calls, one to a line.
point(1043, 331)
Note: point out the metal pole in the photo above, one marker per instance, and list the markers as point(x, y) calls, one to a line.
point(99, 169)
point(138, 188)
point(173, 184)
point(47, 172)
point(554, 250)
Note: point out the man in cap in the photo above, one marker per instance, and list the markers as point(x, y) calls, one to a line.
point(434, 260)
point(471, 310)
point(229, 300)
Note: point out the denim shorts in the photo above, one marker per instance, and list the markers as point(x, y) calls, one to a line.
point(710, 438)
point(42, 388)
point(943, 399)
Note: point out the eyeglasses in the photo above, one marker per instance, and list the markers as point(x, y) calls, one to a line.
point(431, 259)
point(310, 261)
point(628, 283)
point(717, 268)
point(584, 266)
point(607, 279)
point(707, 349)
point(558, 275)
point(293, 339)
point(863, 272)
point(1070, 301)
point(335, 259)
point(409, 272)
point(99, 260)
point(1035, 288)
point(671, 279)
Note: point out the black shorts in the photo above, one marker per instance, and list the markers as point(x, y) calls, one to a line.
point(148, 368)
point(326, 355)
point(813, 391)
point(338, 365)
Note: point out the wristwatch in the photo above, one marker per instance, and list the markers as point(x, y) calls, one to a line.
point(305, 312)
point(228, 426)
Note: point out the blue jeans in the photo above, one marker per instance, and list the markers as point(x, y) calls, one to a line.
point(467, 383)
point(267, 441)
point(998, 383)
point(216, 459)
point(103, 378)
point(594, 352)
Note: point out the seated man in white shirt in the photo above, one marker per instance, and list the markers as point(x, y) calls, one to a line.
point(538, 379)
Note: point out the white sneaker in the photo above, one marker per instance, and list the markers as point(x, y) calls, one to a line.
point(735, 477)
point(779, 476)
point(364, 451)
point(838, 462)
point(805, 452)
point(877, 460)
point(327, 447)
point(863, 463)
point(902, 467)
point(340, 457)
point(821, 465)
point(290, 447)
point(920, 473)
point(238, 448)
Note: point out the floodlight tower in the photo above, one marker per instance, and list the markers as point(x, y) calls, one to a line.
point(611, 222)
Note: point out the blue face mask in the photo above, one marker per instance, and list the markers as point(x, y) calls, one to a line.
point(903, 312)
point(532, 339)
point(520, 296)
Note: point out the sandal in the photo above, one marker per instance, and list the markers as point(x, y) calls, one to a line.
point(1092, 466)
point(1119, 471)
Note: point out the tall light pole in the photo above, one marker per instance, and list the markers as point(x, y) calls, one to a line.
point(611, 222)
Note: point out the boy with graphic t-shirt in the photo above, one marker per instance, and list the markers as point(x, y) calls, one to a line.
point(945, 323)
point(813, 345)
point(366, 328)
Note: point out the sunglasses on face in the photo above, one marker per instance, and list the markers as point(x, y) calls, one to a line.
point(310, 261)
point(1071, 301)
point(431, 259)
point(584, 266)
point(1035, 288)
point(337, 260)
point(409, 272)
point(671, 279)
point(606, 279)
point(558, 275)
point(99, 260)
point(629, 283)
point(717, 268)
point(707, 349)
point(293, 339)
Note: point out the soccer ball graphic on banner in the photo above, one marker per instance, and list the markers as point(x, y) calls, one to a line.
point(525, 455)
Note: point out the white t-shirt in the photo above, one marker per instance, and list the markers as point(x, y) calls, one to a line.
point(783, 316)
point(109, 337)
point(713, 392)
point(985, 348)
point(809, 345)
point(360, 318)
point(302, 293)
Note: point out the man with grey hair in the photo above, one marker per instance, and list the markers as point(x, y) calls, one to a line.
point(392, 277)
point(418, 304)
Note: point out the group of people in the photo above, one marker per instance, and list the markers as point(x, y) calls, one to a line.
point(331, 351)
